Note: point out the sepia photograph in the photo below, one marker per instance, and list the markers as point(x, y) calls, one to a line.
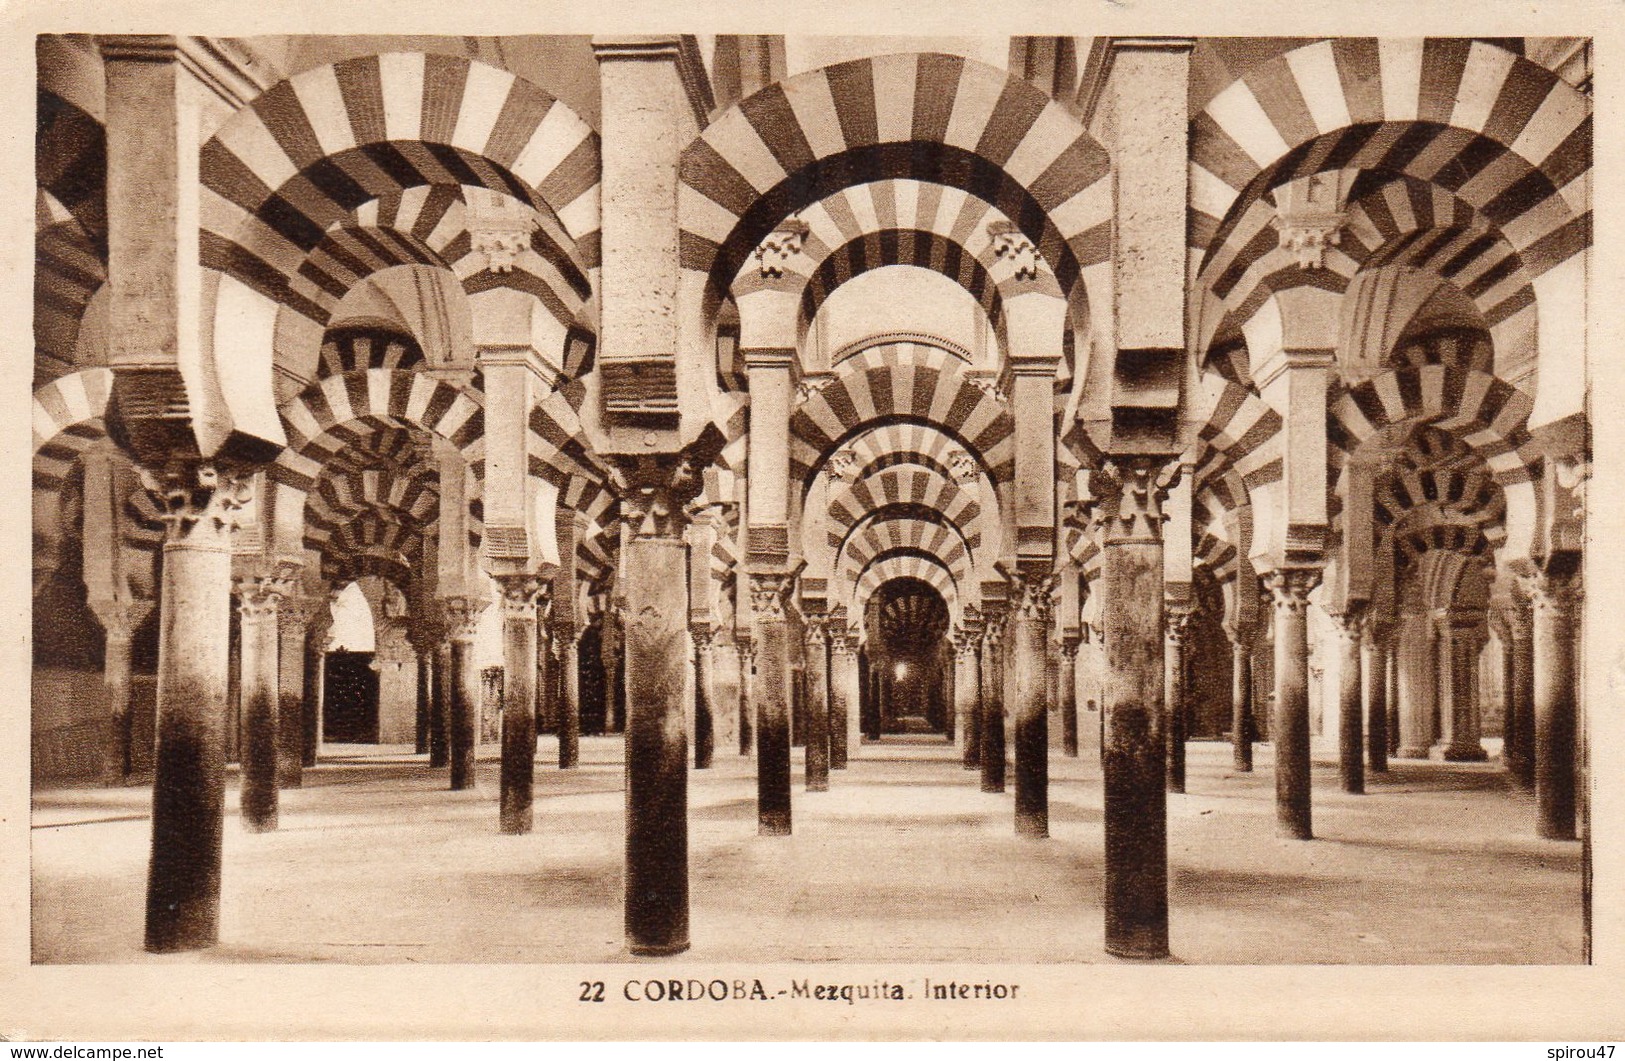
point(764, 520)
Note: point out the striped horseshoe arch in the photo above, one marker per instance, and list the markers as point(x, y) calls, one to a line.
point(1391, 219)
point(908, 382)
point(339, 411)
point(906, 222)
point(311, 150)
point(1508, 136)
point(929, 117)
point(66, 420)
point(890, 531)
point(904, 565)
point(907, 484)
point(1486, 413)
point(878, 448)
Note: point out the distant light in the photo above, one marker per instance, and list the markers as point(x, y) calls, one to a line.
point(901, 671)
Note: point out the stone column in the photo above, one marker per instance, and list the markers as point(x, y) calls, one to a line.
point(318, 629)
point(1391, 679)
point(654, 490)
point(843, 686)
point(1418, 685)
point(1176, 625)
point(747, 690)
point(1520, 745)
point(440, 707)
point(199, 502)
point(258, 598)
point(1068, 683)
point(1375, 677)
point(1458, 666)
point(421, 739)
point(704, 686)
point(770, 695)
point(294, 624)
point(463, 723)
point(1350, 708)
point(1029, 622)
point(117, 763)
point(1127, 504)
point(968, 686)
point(1553, 644)
point(993, 753)
point(817, 701)
point(1290, 588)
point(566, 647)
point(520, 594)
point(1241, 701)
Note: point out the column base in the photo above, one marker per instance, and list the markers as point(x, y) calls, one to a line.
point(1546, 832)
point(1293, 831)
point(1148, 950)
point(992, 786)
point(773, 825)
point(1467, 753)
point(518, 823)
point(1411, 751)
point(818, 786)
point(1033, 828)
point(262, 825)
point(657, 950)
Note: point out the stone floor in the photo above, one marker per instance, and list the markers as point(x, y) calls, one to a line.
point(904, 859)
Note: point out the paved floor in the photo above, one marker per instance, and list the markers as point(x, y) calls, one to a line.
point(904, 859)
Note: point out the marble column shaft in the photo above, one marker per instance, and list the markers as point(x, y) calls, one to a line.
point(1552, 597)
point(817, 761)
point(993, 751)
point(1177, 623)
point(1029, 622)
point(516, 812)
point(1241, 701)
point(1350, 705)
point(1290, 589)
point(770, 695)
point(1068, 683)
point(464, 715)
point(258, 601)
point(968, 690)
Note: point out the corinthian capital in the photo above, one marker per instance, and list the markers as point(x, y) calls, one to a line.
point(1127, 496)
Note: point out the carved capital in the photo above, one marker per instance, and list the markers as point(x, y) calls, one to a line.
point(500, 231)
point(1030, 596)
point(1290, 587)
point(1351, 620)
point(522, 595)
point(964, 466)
point(1307, 236)
point(1127, 497)
point(768, 591)
point(261, 596)
point(842, 466)
point(703, 636)
point(843, 642)
point(1550, 594)
point(462, 616)
point(655, 490)
point(198, 496)
point(774, 253)
point(1069, 648)
point(1012, 245)
point(1176, 622)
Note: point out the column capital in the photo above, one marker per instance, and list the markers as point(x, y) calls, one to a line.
point(462, 616)
point(1176, 619)
point(1290, 587)
point(1351, 621)
point(196, 494)
point(1030, 594)
point(522, 594)
point(1127, 495)
point(768, 591)
point(703, 636)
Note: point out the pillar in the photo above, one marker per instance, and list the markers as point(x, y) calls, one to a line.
point(770, 695)
point(1241, 701)
point(421, 741)
point(188, 790)
point(258, 599)
point(1461, 643)
point(1553, 643)
point(1290, 588)
point(704, 692)
point(1391, 680)
point(747, 691)
point(1176, 623)
point(519, 606)
point(1128, 499)
point(968, 687)
point(566, 647)
point(1418, 685)
point(654, 490)
point(1029, 621)
point(1375, 678)
point(1520, 710)
point(1068, 685)
point(117, 761)
point(843, 689)
point(294, 622)
point(440, 707)
point(816, 682)
point(463, 723)
point(992, 700)
point(1350, 705)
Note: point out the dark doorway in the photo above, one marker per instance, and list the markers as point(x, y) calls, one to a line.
point(909, 669)
point(350, 699)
